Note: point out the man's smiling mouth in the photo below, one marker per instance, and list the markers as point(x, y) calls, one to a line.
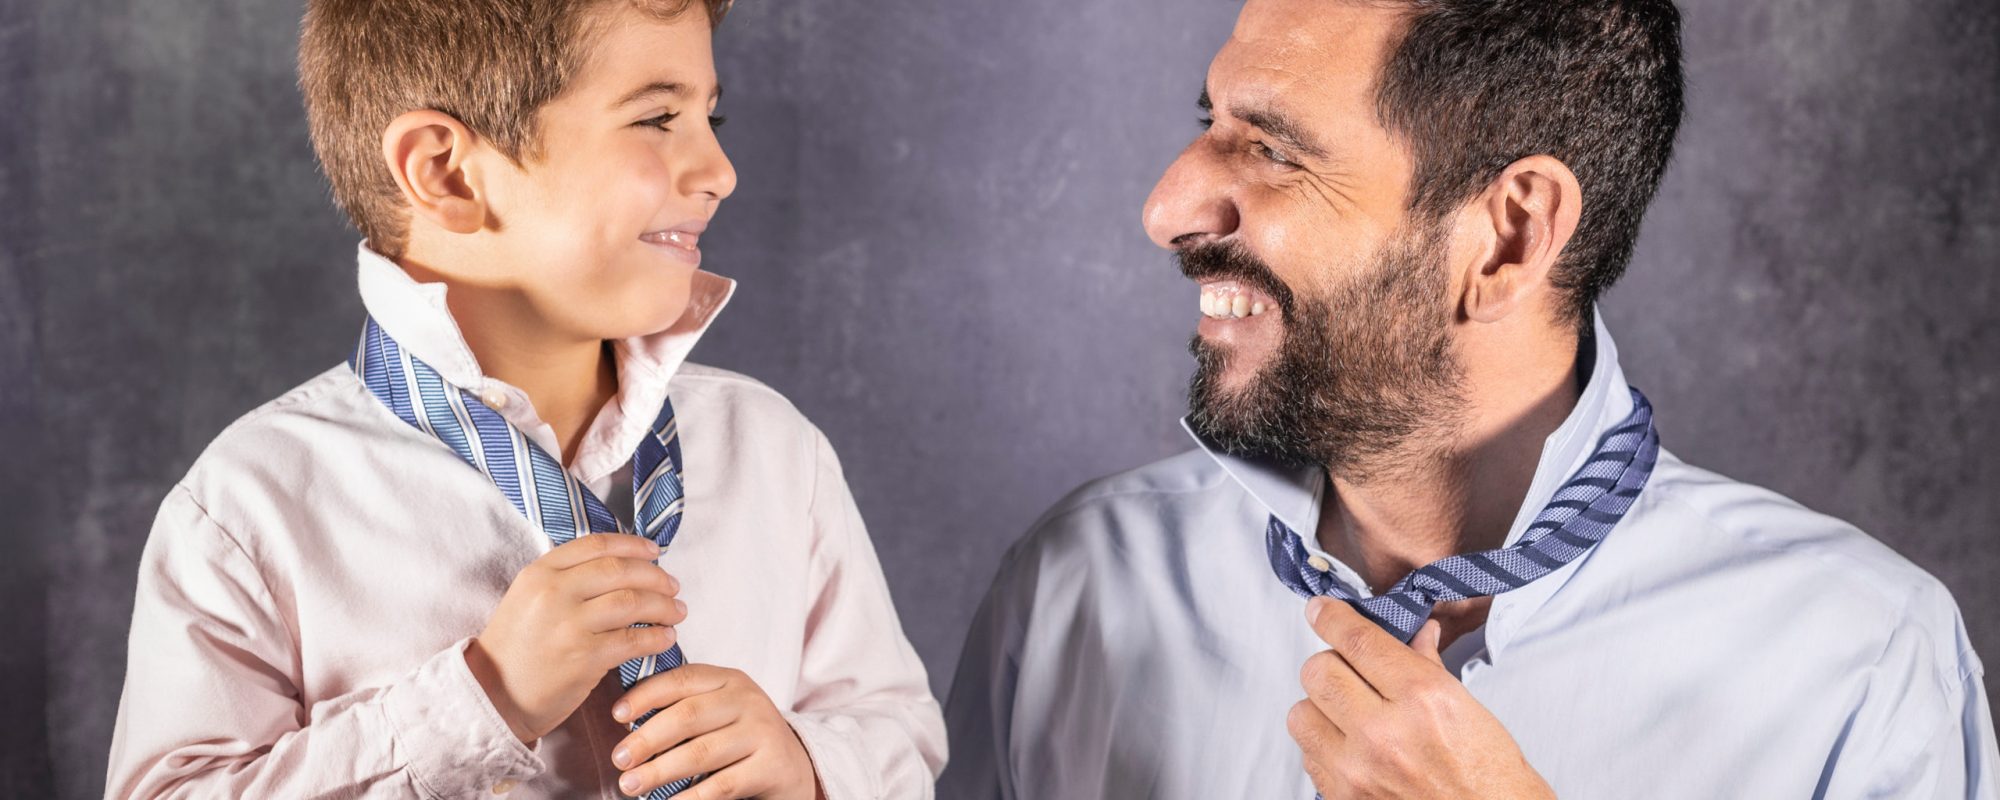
point(1228, 299)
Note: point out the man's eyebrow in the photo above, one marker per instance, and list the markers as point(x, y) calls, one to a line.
point(1274, 123)
point(661, 87)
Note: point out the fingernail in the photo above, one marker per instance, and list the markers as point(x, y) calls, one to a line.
point(681, 607)
point(630, 783)
point(1314, 608)
point(621, 757)
point(622, 711)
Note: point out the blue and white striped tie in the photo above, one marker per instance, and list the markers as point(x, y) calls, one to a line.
point(1577, 517)
point(534, 481)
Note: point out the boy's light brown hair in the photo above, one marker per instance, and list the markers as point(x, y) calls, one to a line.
point(491, 64)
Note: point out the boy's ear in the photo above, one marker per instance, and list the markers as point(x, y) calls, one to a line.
point(1523, 220)
point(427, 152)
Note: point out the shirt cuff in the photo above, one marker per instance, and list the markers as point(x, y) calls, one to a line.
point(454, 740)
point(836, 756)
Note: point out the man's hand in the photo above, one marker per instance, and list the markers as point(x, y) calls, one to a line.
point(715, 722)
point(566, 620)
point(1384, 720)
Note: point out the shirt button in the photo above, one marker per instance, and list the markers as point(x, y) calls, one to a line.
point(503, 787)
point(495, 398)
point(1319, 563)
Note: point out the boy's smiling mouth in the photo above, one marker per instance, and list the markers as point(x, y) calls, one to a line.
point(680, 241)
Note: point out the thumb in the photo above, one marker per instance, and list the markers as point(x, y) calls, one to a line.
point(1426, 641)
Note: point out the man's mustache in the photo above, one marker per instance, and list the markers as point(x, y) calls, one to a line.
point(1215, 261)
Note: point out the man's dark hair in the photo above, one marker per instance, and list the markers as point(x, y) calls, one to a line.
point(1476, 85)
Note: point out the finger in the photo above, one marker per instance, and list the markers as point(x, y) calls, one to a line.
point(624, 608)
point(744, 778)
point(1334, 687)
point(1426, 642)
point(675, 724)
point(1320, 740)
point(1379, 658)
point(616, 647)
point(707, 754)
point(604, 575)
point(667, 688)
point(600, 545)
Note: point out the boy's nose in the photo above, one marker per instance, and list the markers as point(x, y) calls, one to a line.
point(711, 173)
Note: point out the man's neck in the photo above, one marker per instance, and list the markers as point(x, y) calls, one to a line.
point(568, 378)
point(1453, 492)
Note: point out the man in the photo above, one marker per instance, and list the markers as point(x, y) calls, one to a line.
point(1400, 217)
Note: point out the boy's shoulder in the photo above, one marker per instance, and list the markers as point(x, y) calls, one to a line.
point(282, 438)
point(734, 400)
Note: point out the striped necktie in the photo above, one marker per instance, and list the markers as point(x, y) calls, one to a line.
point(534, 481)
point(1577, 517)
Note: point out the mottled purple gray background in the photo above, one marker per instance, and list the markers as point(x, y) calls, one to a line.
point(937, 234)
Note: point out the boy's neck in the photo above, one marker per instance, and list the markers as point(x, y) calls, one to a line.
point(568, 378)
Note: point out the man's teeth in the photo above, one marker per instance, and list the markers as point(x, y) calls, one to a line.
point(1225, 304)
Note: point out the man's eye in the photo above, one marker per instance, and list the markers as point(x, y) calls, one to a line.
point(1264, 151)
point(1206, 122)
point(658, 122)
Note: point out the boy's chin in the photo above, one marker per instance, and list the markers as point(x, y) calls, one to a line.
point(635, 322)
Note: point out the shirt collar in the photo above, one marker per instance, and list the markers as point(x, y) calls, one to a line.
point(415, 315)
point(1294, 494)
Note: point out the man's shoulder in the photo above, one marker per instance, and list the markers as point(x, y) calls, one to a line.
point(1742, 522)
point(1140, 508)
point(1815, 569)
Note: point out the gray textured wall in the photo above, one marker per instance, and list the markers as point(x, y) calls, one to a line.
point(937, 232)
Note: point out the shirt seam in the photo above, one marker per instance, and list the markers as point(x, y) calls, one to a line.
point(270, 597)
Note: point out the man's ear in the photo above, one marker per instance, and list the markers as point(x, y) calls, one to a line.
point(1524, 219)
point(427, 152)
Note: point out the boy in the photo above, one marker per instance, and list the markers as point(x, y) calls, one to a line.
point(380, 584)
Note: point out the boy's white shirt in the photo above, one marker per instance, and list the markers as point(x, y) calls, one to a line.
point(309, 587)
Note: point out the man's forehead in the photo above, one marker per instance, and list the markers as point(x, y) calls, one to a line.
point(1304, 51)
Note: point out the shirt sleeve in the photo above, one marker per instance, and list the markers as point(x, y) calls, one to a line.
point(211, 705)
point(864, 710)
point(980, 713)
point(1924, 728)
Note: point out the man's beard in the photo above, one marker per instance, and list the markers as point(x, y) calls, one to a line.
point(1361, 372)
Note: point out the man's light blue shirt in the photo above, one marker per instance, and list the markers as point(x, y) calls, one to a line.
point(1722, 641)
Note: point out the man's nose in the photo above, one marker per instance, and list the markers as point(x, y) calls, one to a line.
point(1191, 202)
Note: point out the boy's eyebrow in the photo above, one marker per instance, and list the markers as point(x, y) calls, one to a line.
point(1274, 123)
point(662, 87)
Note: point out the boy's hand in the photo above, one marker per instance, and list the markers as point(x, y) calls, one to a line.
point(715, 722)
point(566, 620)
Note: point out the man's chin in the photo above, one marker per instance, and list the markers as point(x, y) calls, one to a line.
point(1229, 369)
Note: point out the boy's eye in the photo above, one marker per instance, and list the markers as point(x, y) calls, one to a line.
point(659, 121)
point(715, 121)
